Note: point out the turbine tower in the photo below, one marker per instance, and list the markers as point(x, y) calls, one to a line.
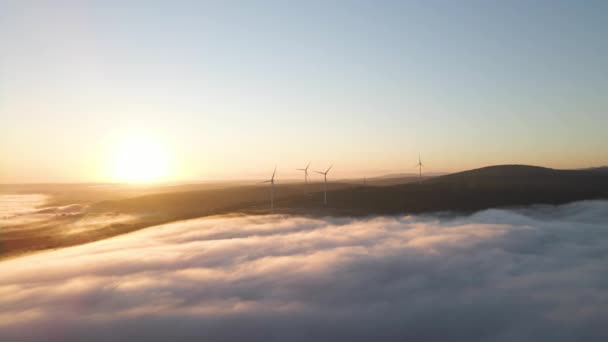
point(271, 181)
point(325, 183)
point(305, 176)
point(419, 166)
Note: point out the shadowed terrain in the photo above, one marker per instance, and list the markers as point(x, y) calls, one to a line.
point(489, 187)
point(106, 211)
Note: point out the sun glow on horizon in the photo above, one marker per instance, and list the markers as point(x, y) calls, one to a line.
point(140, 160)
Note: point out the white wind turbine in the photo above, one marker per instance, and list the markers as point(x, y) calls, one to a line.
point(305, 176)
point(271, 181)
point(325, 183)
point(419, 166)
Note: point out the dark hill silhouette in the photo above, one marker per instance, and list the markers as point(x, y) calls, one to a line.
point(488, 187)
point(520, 175)
point(394, 179)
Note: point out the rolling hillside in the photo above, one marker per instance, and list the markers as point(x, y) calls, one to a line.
point(489, 187)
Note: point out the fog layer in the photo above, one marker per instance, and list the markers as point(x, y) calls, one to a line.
point(498, 275)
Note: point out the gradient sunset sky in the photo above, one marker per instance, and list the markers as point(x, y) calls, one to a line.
point(229, 89)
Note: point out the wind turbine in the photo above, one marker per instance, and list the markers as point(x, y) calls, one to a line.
point(271, 181)
point(305, 176)
point(419, 165)
point(325, 184)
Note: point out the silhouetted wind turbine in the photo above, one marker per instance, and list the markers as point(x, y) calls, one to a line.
point(325, 184)
point(305, 176)
point(271, 181)
point(419, 165)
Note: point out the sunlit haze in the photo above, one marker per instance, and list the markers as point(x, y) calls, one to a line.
point(327, 171)
point(105, 91)
point(140, 160)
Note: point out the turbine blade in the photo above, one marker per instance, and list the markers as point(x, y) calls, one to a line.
point(332, 165)
point(273, 172)
point(319, 172)
point(307, 166)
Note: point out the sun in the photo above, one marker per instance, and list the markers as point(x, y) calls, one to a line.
point(140, 160)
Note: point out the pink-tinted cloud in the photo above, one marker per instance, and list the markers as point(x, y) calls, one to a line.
point(534, 274)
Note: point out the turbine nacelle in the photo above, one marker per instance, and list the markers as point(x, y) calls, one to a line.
point(419, 165)
point(305, 176)
point(271, 181)
point(305, 169)
point(419, 162)
point(325, 183)
point(326, 171)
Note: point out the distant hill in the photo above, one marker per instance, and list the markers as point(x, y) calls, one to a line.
point(468, 191)
point(393, 179)
point(598, 169)
point(488, 187)
point(410, 174)
point(521, 175)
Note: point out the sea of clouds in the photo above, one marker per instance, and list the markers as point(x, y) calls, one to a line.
point(21, 214)
point(536, 274)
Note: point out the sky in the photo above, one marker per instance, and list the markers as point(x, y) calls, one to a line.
point(214, 90)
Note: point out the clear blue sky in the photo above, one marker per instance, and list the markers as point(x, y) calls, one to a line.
point(231, 88)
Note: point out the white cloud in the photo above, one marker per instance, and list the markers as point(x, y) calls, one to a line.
point(533, 274)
